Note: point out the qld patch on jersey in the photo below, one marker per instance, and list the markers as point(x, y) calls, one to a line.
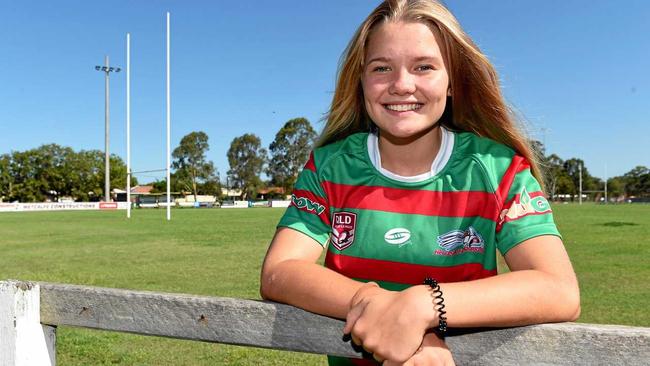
point(343, 226)
point(460, 241)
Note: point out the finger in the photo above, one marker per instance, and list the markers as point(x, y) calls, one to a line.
point(372, 354)
point(352, 317)
point(357, 341)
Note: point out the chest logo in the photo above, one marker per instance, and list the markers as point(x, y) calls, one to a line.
point(398, 236)
point(343, 226)
point(460, 241)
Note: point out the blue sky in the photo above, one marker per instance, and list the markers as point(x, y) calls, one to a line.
point(577, 71)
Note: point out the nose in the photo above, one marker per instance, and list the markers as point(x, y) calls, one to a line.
point(403, 83)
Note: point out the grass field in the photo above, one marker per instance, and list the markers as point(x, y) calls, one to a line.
point(219, 253)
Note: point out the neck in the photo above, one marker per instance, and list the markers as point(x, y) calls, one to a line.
point(410, 156)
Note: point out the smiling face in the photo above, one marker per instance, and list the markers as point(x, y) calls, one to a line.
point(405, 82)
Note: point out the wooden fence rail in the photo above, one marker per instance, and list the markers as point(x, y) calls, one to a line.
point(30, 312)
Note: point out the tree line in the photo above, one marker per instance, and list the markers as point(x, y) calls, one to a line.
point(247, 158)
point(52, 171)
point(562, 179)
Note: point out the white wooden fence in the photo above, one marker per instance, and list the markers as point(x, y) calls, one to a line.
point(30, 312)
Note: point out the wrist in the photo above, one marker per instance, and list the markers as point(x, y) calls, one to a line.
point(362, 292)
point(438, 304)
point(425, 306)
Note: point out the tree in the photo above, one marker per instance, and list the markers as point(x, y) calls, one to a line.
point(538, 148)
point(6, 181)
point(555, 176)
point(637, 181)
point(616, 187)
point(211, 187)
point(190, 161)
point(246, 157)
point(572, 167)
point(289, 152)
point(88, 166)
point(41, 173)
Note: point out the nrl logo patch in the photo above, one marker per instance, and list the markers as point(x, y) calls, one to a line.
point(525, 205)
point(398, 236)
point(307, 204)
point(343, 227)
point(460, 241)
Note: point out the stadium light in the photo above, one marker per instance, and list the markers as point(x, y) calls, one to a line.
point(107, 177)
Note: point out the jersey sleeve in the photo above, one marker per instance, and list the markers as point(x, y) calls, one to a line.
point(525, 213)
point(309, 209)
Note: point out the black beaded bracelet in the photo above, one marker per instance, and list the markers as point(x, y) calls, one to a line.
point(438, 304)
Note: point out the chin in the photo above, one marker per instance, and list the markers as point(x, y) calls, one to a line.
point(404, 136)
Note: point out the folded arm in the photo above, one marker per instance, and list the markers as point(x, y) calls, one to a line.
point(291, 275)
point(541, 287)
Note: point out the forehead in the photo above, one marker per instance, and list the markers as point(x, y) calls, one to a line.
point(396, 39)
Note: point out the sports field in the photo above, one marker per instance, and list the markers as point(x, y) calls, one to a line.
point(219, 252)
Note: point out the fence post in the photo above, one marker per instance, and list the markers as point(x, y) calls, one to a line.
point(23, 340)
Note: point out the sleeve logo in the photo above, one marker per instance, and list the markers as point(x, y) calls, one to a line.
point(307, 204)
point(344, 225)
point(524, 205)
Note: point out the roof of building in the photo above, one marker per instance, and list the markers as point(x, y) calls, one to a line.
point(142, 189)
point(279, 190)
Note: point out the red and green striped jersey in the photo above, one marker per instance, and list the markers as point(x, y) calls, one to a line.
point(448, 225)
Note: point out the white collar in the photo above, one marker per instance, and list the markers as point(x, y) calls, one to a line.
point(444, 153)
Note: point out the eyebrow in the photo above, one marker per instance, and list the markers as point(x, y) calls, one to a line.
point(417, 59)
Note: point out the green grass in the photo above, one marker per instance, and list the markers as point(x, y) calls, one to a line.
point(610, 250)
point(208, 252)
point(219, 253)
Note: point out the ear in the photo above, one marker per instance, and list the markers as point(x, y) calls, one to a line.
point(449, 92)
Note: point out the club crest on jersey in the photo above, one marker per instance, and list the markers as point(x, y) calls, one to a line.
point(398, 236)
point(524, 205)
point(460, 241)
point(343, 226)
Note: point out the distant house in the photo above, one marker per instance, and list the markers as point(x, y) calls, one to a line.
point(231, 193)
point(119, 195)
point(271, 192)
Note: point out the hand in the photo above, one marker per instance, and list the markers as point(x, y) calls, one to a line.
point(433, 352)
point(389, 324)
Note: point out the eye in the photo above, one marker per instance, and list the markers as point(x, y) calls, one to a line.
point(426, 67)
point(381, 69)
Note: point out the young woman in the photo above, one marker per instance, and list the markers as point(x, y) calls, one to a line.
point(420, 172)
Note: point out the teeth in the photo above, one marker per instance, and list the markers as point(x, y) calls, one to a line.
point(403, 107)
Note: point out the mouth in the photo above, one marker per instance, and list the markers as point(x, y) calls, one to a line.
point(403, 107)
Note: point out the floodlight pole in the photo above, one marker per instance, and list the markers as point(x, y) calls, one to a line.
point(580, 182)
point(107, 177)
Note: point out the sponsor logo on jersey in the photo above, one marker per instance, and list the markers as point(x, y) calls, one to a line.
point(525, 205)
point(343, 227)
point(398, 236)
point(460, 241)
point(307, 204)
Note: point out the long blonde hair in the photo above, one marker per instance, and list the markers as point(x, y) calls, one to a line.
point(477, 104)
